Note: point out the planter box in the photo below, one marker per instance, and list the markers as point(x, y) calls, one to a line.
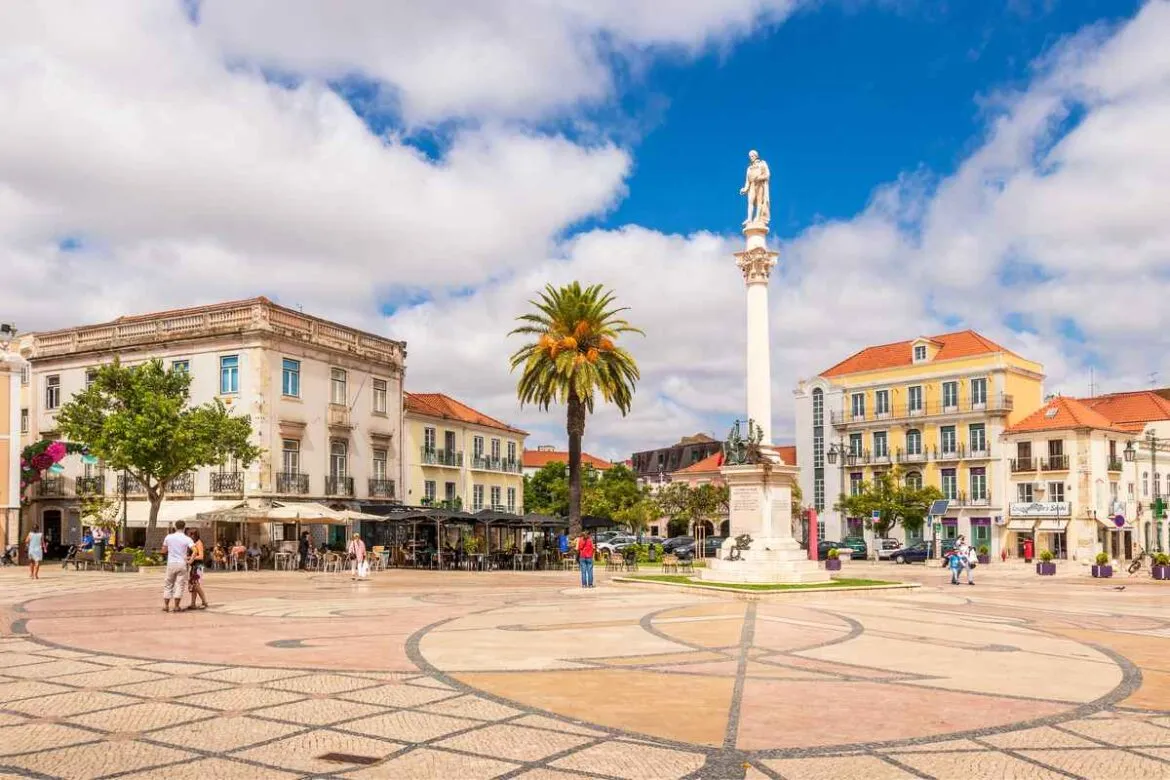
point(832, 564)
point(983, 559)
point(1101, 572)
point(1046, 569)
point(1160, 572)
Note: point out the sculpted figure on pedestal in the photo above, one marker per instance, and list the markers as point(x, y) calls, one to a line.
point(755, 186)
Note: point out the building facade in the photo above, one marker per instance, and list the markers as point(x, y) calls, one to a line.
point(936, 408)
point(654, 467)
point(12, 367)
point(1071, 486)
point(461, 458)
point(535, 460)
point(325, 402)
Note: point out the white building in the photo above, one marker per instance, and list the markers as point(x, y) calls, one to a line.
point(325, 402)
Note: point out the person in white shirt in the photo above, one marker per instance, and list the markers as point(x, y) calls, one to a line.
point(177, 546)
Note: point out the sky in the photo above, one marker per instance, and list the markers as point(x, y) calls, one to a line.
point(423, 170)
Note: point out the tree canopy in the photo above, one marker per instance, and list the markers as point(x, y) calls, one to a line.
point(139, 419)
point(897, 502)
point(613, 493)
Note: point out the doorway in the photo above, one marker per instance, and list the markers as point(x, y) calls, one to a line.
point(51, 526)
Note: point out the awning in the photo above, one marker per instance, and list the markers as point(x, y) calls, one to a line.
point(138, 512)
point(1051, 525)
point(1021, 525)
point(304, 512)
point(1112, 526)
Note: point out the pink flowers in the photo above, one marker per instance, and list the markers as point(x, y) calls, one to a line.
point(56, 451)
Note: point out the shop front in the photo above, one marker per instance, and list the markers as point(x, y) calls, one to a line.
point(1045, 523)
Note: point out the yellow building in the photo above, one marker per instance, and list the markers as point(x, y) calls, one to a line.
point(457, 456)
point(936, 407)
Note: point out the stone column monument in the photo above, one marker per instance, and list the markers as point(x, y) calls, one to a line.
point(759, 482)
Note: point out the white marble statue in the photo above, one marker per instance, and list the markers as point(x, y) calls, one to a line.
point(755, 186)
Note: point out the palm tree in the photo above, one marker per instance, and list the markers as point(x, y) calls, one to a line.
point(574, 359)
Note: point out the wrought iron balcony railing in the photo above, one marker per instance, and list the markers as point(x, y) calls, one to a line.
point(227, 482)
point(338, 486)
point(381, 488)
point(91, 486)
point(1114, 464)
point(1023, 465)
point(998, 404)
point(1055, 463)
point(130, 485)
point(292, 484)
point(432, 457)
point(52, 487)
point(182, 485)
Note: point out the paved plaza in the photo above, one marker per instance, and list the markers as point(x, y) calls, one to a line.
point(456, 675)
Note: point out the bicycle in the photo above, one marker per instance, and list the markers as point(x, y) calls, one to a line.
point(1136, 565)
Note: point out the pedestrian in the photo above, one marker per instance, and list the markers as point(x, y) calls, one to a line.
point(87, 539)
point(196, 575)
point(100, 539)
point(972, 562)
point(177, 546)
point(303, 552)
point(357, 554)
point(585, 559)
point(955, 561)
point(36, 545)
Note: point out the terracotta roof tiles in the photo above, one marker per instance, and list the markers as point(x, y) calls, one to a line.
point(447, 408)
point(714, 461)
point(1140, 406)
point(535, 459)
point(951, 346)
point(1061, 414)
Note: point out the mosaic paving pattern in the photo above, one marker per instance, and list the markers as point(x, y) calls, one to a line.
point(423, 674)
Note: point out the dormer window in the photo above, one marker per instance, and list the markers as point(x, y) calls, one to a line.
point(919, 353)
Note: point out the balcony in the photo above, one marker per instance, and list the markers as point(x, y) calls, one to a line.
point(130, 485)
point(338, 417)
point(973, 499)
point(338, 486)
point(995, 405)
point(52, 487)
point(1023, 465)
point(447, 458)
point(91, 486)
point(482, 463)
point(881, 458)
point(910, 457)
point(182, 485)
point(1114, 463)
point(381, 488)
point(982, 453)
point(1055, 463)
point(227, 483)
point(292, 484)
point(954, 453)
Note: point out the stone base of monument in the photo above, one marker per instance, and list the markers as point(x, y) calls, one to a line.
point(761, 507)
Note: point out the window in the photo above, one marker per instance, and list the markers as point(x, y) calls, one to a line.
point(449, 441)
point(818, 404)
point(477, 497)
point(337, 387)
point(496, 502)
point(1145, 484)
point(855, 484)
point(495, 449)
point(477, 446)
point(1055, 448)
point(380, 396)
point(919, 353)
point(950, 484)
point(977, 437)
point(1129, 489)
point(881, 402)
point(290, 456)
point(53, 391)
point(881, 447)
point(1056, 491)
point(1157, 484)
point(1024, 492)
point(947, 438)
point(818, 451)
point(290, 378)
point(855, 444)
point(229, 374)
point(511, 499)
point(914, 480)
point(819, 494)
point(914, 441)
point(429, 439)
point(978, 485)
point(1024, 451)
point(338, 457)
point(181, 366)
point(449, 491)
point(950, 393)
point(979, 392)
point(25, 373)
point(429, 491)
point(914, 398)
point(511, 452)
point(379, 464)
point(858, 401)
point(90, 376)
point(24, 420)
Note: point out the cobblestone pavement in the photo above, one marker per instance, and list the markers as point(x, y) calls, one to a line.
point(457, 675)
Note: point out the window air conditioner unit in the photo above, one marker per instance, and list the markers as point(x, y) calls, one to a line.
point(999, 520)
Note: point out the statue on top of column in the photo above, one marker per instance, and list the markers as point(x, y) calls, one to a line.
point(755, 186)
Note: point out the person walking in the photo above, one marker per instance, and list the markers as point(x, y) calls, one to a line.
point(177, 547)
point(303, 552)
point(585, 559)
point(972, 562)
point(357, 554)
point(36, 545)
point(100, 538)
point(196, 575)
point(955, 562)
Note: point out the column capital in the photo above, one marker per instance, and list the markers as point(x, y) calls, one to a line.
point(756, 264)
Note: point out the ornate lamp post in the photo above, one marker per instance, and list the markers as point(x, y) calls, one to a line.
point(842, 452)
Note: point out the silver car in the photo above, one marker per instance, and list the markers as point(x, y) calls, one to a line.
point(886, 548)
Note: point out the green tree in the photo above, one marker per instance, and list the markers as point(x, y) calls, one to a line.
point(138, 419)
point(897, 502)
point(686, 505)
point(573, 360)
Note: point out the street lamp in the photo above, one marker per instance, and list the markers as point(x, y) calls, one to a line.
point(835, 451)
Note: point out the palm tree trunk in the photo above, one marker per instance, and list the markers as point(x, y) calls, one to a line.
point(576, 430)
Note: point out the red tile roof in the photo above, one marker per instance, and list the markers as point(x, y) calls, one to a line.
point(964, 343)
point(447, 408)
point(1133, 409)
point(714, 461)
point(1062, 414)
point(536, 459)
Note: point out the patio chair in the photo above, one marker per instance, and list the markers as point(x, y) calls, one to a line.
point(669, 563)
point(615, 562)
point(332, 562)
point(686, 566)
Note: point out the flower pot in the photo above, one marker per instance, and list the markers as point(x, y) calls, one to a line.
point(832, 564)
point(1102, 572)
point(983, 559)
point(1160, 572)
point(1046, 569)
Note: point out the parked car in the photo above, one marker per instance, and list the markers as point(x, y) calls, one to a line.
point(711, 547)
point(671, 545)
point(917, 552)
point(857, 545)
point(823, 547)
point(885, 547)
point(605, 536)
point(616, 543)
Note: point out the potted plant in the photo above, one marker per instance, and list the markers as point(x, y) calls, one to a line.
point(1102, 568)
point(983, 555)
point(1161, 567)
point(1045, 567)
point(833, 560)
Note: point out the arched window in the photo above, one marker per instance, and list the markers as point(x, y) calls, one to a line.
point(338, 457)
point(914, 480)
point(1145, 484)
point(913, 442)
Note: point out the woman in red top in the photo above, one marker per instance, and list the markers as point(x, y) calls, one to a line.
point(585, 559)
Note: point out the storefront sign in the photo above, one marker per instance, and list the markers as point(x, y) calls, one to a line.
point(1040, 509)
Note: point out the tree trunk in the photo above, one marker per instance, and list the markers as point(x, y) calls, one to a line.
point(576, 430)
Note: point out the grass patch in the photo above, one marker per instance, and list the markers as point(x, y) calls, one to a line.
point(682, 579)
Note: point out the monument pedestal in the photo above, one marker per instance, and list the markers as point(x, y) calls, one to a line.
point(761, 506)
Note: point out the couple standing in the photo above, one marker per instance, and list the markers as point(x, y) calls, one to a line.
point(962, 557)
